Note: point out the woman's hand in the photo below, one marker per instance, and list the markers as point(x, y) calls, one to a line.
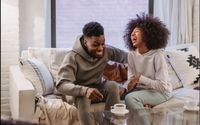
point(133, 82)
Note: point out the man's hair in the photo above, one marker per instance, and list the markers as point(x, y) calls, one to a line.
point(154, 32)
point(93, 29)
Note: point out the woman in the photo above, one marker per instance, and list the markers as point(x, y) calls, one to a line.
point(148, 82)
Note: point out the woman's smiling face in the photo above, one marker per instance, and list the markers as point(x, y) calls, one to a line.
point(136, 37)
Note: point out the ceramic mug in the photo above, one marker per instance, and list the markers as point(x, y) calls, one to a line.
point(119, 107)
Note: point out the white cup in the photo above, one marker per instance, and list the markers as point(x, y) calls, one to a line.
point(191, 103)
point(119, 107)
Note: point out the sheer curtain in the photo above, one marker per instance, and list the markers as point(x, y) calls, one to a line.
point(178, 17)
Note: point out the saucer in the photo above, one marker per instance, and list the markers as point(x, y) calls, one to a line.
point(119, 113)
point(196, 108)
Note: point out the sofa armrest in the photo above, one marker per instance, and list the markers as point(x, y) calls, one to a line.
point(22, 95)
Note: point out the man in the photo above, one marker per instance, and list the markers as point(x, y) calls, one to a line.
point(80, 74)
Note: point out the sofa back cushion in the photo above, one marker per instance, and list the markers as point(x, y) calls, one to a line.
point(38, 74)
point(41, 54)
point(174, 79)
point(51, 57)
point(56, 59)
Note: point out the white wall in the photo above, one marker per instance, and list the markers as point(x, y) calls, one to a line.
point(24, 23)
point(34, 21)
point(9, 46)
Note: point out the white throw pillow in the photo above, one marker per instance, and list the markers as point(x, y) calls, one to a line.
point(186, 64)
point(39, 75)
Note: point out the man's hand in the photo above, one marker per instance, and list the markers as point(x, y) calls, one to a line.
point(133, 82)
point(121, 91)
point(94, 95)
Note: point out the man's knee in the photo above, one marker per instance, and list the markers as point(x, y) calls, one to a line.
point(112, 86)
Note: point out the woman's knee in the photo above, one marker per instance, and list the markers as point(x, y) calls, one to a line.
point(130, 100)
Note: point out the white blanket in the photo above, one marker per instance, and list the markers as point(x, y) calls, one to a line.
point(56, 112)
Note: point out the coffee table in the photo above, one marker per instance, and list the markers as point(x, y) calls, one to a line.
point(165, 116)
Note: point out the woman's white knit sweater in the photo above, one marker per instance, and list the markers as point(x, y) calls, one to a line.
point(153, 70)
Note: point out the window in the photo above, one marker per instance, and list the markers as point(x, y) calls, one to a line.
point(71, 16)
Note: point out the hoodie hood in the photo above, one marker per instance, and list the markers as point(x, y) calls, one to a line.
point(78, 48)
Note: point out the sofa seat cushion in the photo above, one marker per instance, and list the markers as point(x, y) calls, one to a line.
point(179, 98)
point(186, 94)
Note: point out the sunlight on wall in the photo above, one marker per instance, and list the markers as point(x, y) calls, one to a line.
point(9, 47)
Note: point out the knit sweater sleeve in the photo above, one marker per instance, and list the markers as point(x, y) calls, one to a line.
point(161, 81)
point(131, 70)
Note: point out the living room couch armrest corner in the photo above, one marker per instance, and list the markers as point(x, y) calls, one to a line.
point(22, 95)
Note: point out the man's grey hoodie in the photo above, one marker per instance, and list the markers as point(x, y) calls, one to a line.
point(79, 70)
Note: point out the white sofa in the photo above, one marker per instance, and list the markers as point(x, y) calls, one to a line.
point(22, 91)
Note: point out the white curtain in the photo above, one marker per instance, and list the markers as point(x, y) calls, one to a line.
point(177, 16)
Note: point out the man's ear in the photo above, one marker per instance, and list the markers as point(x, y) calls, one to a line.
point(85, 43)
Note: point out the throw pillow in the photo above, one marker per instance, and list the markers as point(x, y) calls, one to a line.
point(39, 75)
point(186, 64)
